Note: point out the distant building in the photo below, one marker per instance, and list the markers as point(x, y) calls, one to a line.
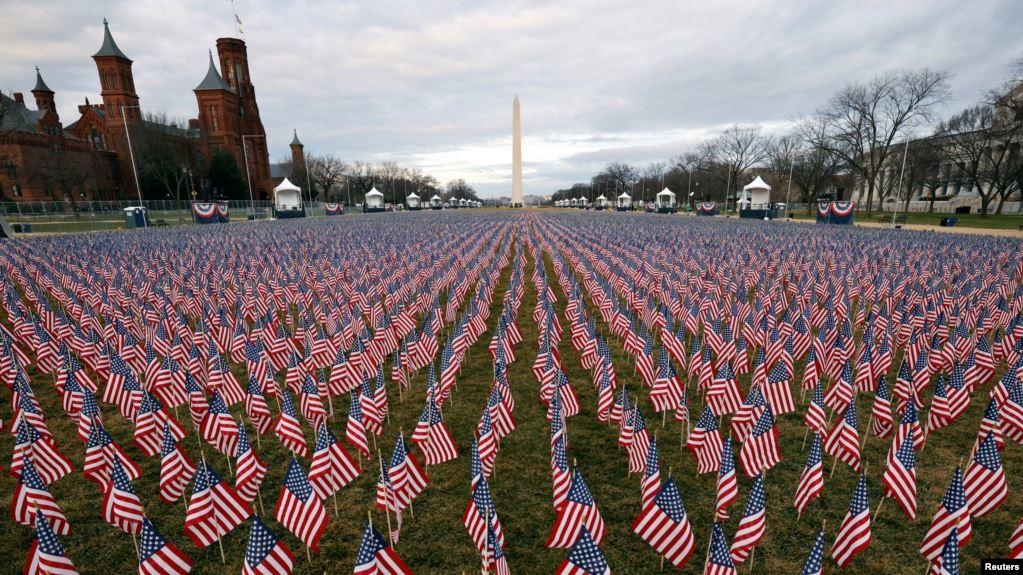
point(41, 159)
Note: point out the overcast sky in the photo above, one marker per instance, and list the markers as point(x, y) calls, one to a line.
point(430, 84)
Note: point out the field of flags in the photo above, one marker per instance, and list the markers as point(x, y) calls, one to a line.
point(511, 392)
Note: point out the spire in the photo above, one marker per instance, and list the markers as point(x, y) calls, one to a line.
point(295, 141)
point(40, 84)
point(109, 47)
point(212, 81)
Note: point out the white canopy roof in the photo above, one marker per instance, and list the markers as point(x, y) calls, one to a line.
point(287, 185)
point(435, 197)
point(624, 195)
point(757, 184)
point(601, 197)
point(412, 195)
point(374, 192)
point(666, 192)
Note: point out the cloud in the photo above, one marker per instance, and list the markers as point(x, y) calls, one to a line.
point(430, 84)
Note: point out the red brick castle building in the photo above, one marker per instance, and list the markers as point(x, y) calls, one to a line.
point(42, 159)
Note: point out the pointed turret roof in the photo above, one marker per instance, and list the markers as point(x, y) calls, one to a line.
point(295, 141)
point(109, 47)
point(40, 84)
point(212, 81)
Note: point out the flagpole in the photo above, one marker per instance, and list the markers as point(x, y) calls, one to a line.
point(386, 503)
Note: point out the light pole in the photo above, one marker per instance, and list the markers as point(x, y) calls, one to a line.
point(131, 154)
point(899, 191)
point(248, 178)
point(788, 189)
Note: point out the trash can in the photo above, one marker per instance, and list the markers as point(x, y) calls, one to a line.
point(135, 217)
point(947, 222)
point(27, 228)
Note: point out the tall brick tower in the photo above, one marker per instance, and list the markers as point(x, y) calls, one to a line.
point(117, 84)
point(234, 63)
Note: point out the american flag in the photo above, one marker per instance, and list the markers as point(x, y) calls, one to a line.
point(991, 423)
point(332, 467)
point(264, 553)
point(50, 463)
point(121, 507)
point(288, 429)
point(724, 396)
point(31, 494)
point(760, 451)
point(299, 509)
point(639, 445)
point(46, 556)
point(753, 524)
point(953, 511)
point(813, 565)
point(175, 469)
point(984, 482)
point(778, 391)
point(719, 560)
point(100, 452)
point(651, 483)
point(376, 557)
point(250, 471)
point(214, 508)
point(811, 482)
point(494, 561)
point(478, 512)
point(881, 421)
point(899, 476)
point(406, 474)
point(585, 558)
point(705, 442)
point(940, 413)
point(948, 564)
point(727, 486)
point(355, 429)
point(562, 475)
point(1016, 542)
point(157, 556)
point(218, 428)
point(854, 533)
point(664, 525)
point(843, 440)
point(815, 417)
point(438, 446)
point(578, 510)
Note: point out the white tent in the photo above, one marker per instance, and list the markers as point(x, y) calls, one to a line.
point(624, 200)
point(665, 198)
point(756, 195)
point(436, 202)
point(287, 197)
point(602, 201)
point(374, 199)
point(412, 200)
point(463, 203)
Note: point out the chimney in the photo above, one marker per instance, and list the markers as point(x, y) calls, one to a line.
point(19, 98)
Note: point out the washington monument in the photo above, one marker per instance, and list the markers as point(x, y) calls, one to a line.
point(516, 155)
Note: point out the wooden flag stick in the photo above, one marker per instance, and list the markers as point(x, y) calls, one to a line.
point(878, 510)
point(135, 540)
point(806, 432)
point(387, 511)
point(752, 554)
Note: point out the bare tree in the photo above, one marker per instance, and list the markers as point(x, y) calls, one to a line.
point(923, 171)
point(985, 152)
point(619, 176)
point(62, 174)
point(165, 156)
point(863, 121)
point(813, 170)
point(460, 189)
point(360, 178)
point(738, 149)
point(326, 173)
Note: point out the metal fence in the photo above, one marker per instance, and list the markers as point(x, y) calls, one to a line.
point(62, 217)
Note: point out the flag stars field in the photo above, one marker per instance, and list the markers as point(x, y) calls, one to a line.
point(520, 352)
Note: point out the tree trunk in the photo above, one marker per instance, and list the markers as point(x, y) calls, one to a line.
point(870, 195)
point(985, 201)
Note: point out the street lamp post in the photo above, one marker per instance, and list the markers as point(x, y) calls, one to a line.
point(131, 154)
point(788, 189)
point(248, 177)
